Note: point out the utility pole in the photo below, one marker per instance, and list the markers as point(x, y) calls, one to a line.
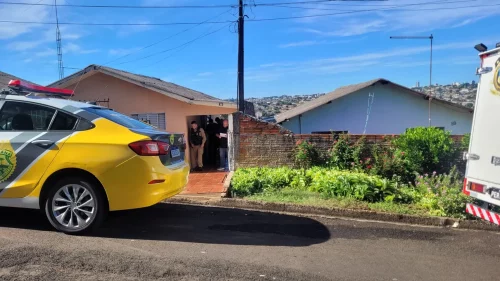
point(241, 59)
point(58, 42)
point(431, 38)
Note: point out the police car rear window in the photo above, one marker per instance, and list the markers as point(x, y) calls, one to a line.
point(118, 118)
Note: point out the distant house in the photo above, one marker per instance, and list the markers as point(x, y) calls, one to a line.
point(375, 107)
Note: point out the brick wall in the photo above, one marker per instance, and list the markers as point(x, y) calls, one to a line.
point(268, 144)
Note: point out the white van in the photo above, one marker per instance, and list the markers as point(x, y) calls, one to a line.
point(482, 176)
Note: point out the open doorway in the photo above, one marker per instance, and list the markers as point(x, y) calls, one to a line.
point(211, 125)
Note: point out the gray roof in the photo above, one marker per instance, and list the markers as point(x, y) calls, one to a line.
point(346, 90)
point(6, 77)
point(152, 83)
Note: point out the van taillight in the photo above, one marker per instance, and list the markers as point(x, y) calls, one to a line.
point(472, 186)
point(476, 187)
point(150, 148)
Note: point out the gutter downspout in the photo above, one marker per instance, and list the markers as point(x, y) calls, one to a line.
point(300, 123)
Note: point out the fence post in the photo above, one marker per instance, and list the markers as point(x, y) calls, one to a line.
point(233, 140)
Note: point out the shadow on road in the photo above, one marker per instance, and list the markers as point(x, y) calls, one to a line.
point(171, 222)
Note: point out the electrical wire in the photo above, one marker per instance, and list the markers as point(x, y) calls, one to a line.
point(394, 6)
point(382, 5)
point(372, 10)
point(113, 24)
point(176, 47)
point(183, 46)
point(179, 6)
point(398, 8)
point(166, 38)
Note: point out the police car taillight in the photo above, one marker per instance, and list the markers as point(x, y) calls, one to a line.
point(22, 86)
point(150, 148)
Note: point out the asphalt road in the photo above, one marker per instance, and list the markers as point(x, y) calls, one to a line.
point(176, 242)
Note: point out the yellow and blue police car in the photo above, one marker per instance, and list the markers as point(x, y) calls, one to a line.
point(76, 161)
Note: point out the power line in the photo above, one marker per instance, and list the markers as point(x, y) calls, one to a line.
point(383, 5)
point(183, 46)
point(170, 49)
point(180, 48)
point(179, 6)
point(396, 8)
point(372, 10)
point(113, 24)
point(166, 38)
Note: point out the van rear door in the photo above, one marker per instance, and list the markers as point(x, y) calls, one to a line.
point(483, 162)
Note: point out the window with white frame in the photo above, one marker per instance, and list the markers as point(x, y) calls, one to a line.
point(154, 119)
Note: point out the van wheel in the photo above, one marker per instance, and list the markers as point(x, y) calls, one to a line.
point(75, 205)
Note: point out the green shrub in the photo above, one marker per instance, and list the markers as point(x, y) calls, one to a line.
point(427, 149)
point(254, 180)
point(306, 155)
point(345, 155)
point(329, 182)
point(438, 195)
point(443, 193)
point(464, 143)
point(390, 163)
point(405, 195)
point(356, 185)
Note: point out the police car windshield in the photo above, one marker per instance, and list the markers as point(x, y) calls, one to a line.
point(119, 118)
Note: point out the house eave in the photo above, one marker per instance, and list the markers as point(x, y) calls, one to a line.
point(85, 73)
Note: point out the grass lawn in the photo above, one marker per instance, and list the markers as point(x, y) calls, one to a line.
point(314, 199)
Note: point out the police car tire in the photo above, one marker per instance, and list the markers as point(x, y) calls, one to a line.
point(101, 206)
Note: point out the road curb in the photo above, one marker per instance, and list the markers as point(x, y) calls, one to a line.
point(334, 212)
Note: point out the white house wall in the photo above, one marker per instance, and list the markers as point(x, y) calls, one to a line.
point(392, 112)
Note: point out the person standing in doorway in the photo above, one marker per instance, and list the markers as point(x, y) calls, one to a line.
point(211, 130)
point(197, 141)
point(222, 135)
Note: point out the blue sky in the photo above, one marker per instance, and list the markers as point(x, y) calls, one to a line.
point(294, 56)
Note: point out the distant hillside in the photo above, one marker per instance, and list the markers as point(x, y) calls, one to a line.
point(460, 93)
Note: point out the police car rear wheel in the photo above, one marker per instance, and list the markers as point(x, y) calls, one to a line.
point(74, 205)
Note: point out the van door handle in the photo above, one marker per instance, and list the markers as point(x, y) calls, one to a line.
point(43, 143)
point(471, 156)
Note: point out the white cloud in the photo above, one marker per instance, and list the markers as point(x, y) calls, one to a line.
point(21, 13)
point(131, 29)
point(77, 49)
point(205, 74)
point(47, 52)
point(392, 15)
point(24, 45)
point(300, 44)
point(396, 57)
point(353, 27)
point(66, 49)
point(316, 42)
point(122, 52)
point(47, 36)
point(163, 2)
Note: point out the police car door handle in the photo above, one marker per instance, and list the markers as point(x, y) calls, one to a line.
point(43, 143)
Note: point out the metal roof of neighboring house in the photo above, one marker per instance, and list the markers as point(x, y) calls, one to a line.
point(6, 77)
point(346, 90)
point(155, 84)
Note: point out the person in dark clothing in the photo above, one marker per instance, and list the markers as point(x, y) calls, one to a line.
point(197, 141)
point(212, 140)
point(223, 145)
